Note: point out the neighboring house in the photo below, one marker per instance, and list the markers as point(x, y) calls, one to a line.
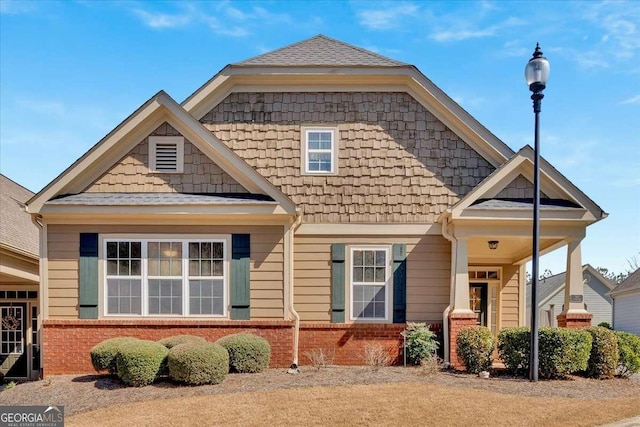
point(19, 279)
point(551, 296)
point(319, 195)
point(626, 304)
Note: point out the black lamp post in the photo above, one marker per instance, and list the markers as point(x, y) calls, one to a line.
point(536, 73)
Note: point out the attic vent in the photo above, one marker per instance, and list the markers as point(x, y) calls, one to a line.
point(166, 154)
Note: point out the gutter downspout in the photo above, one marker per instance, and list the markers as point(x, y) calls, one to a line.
point(293, 369)
point(42, 242)
point(445, 313)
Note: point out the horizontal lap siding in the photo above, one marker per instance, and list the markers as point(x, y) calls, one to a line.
point(428, 275)
point(510, 296)
point(267, 258)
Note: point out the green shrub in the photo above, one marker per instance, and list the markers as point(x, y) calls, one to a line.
point(139, 362)
point(198, 363)
point(514, 346)
point(605, 325)
point(247, 352)
point(103, 355)
point(421, 343)
point(171, 342)
point(475, 348)
point(562, 351)
point(603, 360)
point(628, 353)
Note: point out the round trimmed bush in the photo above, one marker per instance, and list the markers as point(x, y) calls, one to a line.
point(173, 341)
point(103, 355)
point(139, 362)
point(247, 353)
point(475, 348)
point(198, 363)
point(629, 353)
point(514, 348)
point(562, 351)
point(603, 360)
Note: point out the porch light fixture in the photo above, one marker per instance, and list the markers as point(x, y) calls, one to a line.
point(536, 74)
point(493, 244)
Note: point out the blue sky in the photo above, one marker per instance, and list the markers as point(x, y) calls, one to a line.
point(71, 71)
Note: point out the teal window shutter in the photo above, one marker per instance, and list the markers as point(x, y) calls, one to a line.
point(399, 283)
point(88, 276)
point(240, 283)
point(337, 282)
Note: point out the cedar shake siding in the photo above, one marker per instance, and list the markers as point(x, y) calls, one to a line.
point(266, 263)
point(519, 188)
point(132, 174)
point(396, 161)
point(428, 275)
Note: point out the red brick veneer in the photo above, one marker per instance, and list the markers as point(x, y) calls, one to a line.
point(574, 320)
point(66, 343)
point(458, 321)
point(349, 341)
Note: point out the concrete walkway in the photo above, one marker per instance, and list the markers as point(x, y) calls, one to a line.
point(629, 422)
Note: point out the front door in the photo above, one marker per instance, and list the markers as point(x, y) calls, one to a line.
point(13, 348)
point(478, 302)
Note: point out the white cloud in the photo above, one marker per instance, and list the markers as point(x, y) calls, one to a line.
point(515, 48)
point(632, 100)
point(619, 38)
point(463, 29)
point(386, 18)
point(469, 101)
point(16, 7)
point(223, 19)
point(163, 20)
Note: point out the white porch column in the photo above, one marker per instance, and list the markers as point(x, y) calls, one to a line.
point(461, 277)
point(574, 287)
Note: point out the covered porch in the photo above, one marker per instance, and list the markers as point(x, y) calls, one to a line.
point(491, 231)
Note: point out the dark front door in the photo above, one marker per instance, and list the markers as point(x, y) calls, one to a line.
point(13, 343)
point(478, 302)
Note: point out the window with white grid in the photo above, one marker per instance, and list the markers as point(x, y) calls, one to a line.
point(166, 277)
point(370, 274)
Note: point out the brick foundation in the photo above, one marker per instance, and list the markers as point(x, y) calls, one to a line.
point(66, 343)
point(349, 341)
point(458, 321)
point(574, 320)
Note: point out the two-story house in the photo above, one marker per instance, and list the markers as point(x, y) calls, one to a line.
point(319, 195)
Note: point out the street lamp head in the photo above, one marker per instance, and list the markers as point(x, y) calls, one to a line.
point(537, 71)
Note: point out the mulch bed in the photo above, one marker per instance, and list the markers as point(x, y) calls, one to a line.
point(87, 392)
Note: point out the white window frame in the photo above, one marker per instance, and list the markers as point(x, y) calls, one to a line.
point(185, 240)
point(388, 284)
point(305, 151)
point(178, 141)
point(494, 286)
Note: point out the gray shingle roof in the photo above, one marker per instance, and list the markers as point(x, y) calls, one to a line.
point(16, 228)
point(632, 282)
point(321, 50)
point(153, 199)
point(506, 204)
point(549, 285)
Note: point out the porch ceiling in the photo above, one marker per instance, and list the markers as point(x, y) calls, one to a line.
point(510, 250)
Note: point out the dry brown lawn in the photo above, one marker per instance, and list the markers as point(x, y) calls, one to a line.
point(377, 404)
point(337, 395)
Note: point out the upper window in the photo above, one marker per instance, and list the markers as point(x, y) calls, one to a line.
point(319, 150)
point(166, 154)
point(370, 275)
point(165, 277)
